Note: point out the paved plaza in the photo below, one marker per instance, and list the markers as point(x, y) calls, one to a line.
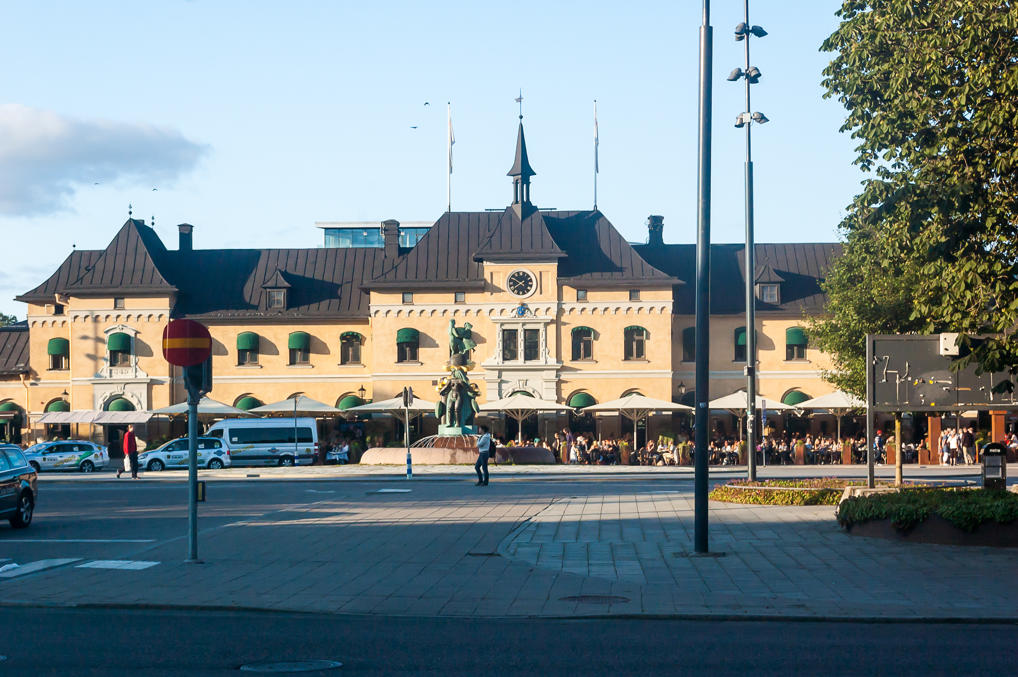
point(526, 546)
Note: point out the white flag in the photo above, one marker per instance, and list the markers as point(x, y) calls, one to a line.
point(452, 139)
point(596, 142)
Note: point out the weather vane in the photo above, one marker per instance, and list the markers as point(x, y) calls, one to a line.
point(519, 100)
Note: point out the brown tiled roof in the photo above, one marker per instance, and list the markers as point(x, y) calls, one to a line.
point(14, 348)
point(70, 270)
point(519, 235)
point(801, 267)
point(131, 263)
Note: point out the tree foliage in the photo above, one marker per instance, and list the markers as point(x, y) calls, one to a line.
point(931, 90)
point(7, 320)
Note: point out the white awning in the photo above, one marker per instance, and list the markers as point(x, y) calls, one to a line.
point(61, 417)
point(122, 417)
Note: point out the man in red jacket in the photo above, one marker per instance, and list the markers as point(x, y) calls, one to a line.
point(130, 447)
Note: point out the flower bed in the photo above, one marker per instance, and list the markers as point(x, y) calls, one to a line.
point(811, 491)
point(965, 509)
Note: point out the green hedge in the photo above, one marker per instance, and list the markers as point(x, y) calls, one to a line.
point(810, 491)
point(964, 508)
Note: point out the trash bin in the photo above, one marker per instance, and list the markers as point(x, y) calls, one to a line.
point(994, 466)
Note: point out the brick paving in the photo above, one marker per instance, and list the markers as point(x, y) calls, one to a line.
point(449, 549)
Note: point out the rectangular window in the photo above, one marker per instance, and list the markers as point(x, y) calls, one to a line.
point(531, 345)
point(275, 435)
point(510, 345)
point(120, 358)
point(350, 351)
point(740, 353)
point(408, 297)
point(459, 297)
point(406, 352)
point(300, 356)
point(769, 293)
point(583, 345)
point(58, 362)
point(247, 357)
point(634, 294)
point(58, 309)
point(277, 298)
point(118, 302)
point(581, 295)
point(795, 352)
point(635, 344)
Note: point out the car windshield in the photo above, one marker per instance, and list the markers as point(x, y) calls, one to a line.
point(35, 447)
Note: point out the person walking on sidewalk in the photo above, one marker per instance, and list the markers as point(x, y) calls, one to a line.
point(130, 447)
point(483, 452)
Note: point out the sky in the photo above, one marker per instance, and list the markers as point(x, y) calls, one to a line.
point(254, 120)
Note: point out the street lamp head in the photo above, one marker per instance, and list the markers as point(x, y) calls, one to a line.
point(759, 117)
point(744, 30)
point(735, 75)
point(753, 75)
point(758, 31)
point(741, 120)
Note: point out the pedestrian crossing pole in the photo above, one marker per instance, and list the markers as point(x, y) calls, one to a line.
point(408, 399)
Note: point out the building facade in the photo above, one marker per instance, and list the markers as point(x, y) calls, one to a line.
point(560, 304)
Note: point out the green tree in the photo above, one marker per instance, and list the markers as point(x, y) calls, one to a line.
point(7, 320)
point(931, 90)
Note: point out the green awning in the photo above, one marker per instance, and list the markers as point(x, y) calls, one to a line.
point(247, 402)
point(349, 401)
point(576, 329)
point(520, 392)
point(636, 327)
point(299, 340)
point(58, 346)
point(119, 341)
point(582, 400)
point(795, 397)
point(408, 336)
point(689, 341)
point(9, 406)
point(740, 336)
point(120, 404)
point(58, 405)
point(351, 336)
point(247, 340)
point(795, 336)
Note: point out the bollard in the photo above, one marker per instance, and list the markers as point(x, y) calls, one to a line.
point(409, 466)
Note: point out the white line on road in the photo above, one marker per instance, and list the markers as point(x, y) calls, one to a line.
point(393, 491)
point(126, 564)
point(78, 540)
point(38, 565)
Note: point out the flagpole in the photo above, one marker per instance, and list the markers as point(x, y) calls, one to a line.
point(448, 176)
point(596, 142)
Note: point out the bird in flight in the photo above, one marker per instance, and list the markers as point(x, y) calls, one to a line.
point(427, 103)
point(155, 189)
point(413, 126)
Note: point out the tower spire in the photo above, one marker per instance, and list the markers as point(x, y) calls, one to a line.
point(521, 170)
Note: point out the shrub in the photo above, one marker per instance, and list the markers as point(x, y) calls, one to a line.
point(964, 508)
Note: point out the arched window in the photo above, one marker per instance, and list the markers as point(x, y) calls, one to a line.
point(119, 345)
point(795, 344)
point(248, 348)
point(739, 339)
point(408, 342)
point(689, 344)
point(635, 343)
point(583, 343)
point(59, 351)
point(299, 344)
point(350, 347)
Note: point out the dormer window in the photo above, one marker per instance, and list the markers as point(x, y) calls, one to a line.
point(118, 302)
point(277, 298)
point(58, 309)
point(770, 293)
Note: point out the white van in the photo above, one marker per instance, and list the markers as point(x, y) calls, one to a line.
point(268, 441)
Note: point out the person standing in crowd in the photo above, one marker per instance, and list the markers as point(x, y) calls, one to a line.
point(483, 451)
point(968, 445)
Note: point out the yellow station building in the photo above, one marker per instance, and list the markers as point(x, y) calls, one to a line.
point(560, 304)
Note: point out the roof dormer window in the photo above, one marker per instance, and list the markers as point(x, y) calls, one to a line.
point(769, 293)
point(276, 288)
point(277, 299)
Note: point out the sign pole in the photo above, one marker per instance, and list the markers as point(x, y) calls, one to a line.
point(192, 469)
point(870, 480)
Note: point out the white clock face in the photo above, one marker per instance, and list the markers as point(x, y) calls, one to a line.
point(521, 283)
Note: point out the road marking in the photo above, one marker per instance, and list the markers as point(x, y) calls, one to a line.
point(38, 565)
point(79, 540)
point(316, 491)
point(126, 564)
point(392, 491)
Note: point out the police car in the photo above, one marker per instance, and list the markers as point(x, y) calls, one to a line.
point(67, 455)
point(212, 454)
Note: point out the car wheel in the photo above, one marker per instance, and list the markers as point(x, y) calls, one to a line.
point(215, 464)
point(35, 466)
point(156, 465)
point(86, 466)
point(286, 460)
point(22, 517)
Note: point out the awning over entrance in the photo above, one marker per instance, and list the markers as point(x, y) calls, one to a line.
point(580, 400)
point(61, 417)
point(122, 417)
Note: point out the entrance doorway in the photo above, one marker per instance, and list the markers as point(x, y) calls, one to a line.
point(114, 436)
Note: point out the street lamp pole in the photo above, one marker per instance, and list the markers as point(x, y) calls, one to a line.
point(702, 345)
point(746, 119)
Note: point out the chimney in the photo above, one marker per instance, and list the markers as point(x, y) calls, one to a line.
point(390, 238)
point(186, 242)
point(655, 230)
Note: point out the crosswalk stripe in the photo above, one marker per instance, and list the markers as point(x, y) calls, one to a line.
point(38, 565)
point(123, 564)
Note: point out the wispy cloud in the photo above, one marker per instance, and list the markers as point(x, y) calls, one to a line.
point(45, 157)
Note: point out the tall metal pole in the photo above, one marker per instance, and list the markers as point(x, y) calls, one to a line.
point(870, 480)
point(702, 345)
point(192, 471)
point(750, 286)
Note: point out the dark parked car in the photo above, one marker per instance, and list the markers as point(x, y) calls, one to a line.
point(18, 488)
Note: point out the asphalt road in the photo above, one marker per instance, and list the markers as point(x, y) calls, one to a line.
point(158, 642)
